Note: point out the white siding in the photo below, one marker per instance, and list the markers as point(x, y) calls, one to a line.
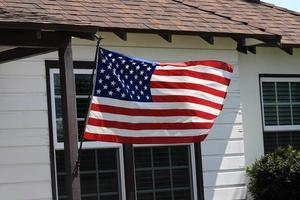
point(24, 140)
point(24, 135)
point(266, 61)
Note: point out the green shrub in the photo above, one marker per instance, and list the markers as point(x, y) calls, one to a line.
point(276, 176)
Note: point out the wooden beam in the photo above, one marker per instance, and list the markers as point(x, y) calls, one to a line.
point(129, 169)
point(252, 49)
point(166, 36)
point(209, 39)
point(31, 39)
point(287, 50)
point(121, 34)
point(82, 35)
point(20, 52)
point(67, 79)
point(241, 45)
point(199, 171)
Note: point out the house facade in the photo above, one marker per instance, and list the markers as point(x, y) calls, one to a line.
point(261, 112)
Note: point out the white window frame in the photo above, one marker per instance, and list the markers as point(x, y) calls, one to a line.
point(99, 145)
point(277, 128)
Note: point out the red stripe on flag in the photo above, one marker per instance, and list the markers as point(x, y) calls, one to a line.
point(190, 99)
point(209, 63)
point(200, 75)
point(189, 86)
point(144, 140)
point(151, 112)
point(148, 126)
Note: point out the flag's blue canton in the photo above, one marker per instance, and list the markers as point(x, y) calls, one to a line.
point(122, 77)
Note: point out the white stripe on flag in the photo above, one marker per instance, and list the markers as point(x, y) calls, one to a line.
point(140, 119)
point(144, 133)
point(198, 68)
point(193, 93)
point(154, 105)
point(188, 79)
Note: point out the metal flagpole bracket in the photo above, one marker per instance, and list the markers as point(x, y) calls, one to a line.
point(99, 38)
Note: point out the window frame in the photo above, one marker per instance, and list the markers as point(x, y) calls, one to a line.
point(276, 78)
point(84, 67)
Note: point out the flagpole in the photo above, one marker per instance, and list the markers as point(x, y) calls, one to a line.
point(199, 170)
point(129, 169)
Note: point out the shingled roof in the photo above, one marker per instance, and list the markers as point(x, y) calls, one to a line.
point(216, 17)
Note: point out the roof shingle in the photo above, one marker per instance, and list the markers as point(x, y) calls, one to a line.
point(189, 16)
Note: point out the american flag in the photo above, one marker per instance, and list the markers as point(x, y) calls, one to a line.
point(139, 101)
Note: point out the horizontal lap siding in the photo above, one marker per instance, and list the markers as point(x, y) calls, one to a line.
point(24, 136)
point(223, 151)
point(24, 139)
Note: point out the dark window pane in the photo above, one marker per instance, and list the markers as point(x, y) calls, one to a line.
point(81, 126)
point(61, 185)
point(296, 139)
point(60, 161)
point(83, 84)
point(90, 198)
point(161, 156)
point(270, 141)
point(107, 159)
point(295, 90)
point(57, 90)
point(268, 92)
point(181, 178)
point(182, 195)
point(284, 112)
point(142, 157)
point(162, 179)
point(296, 114)
point(168, 173)
point(82, 107)
point(144, 180)
point(87, 160)
point(270, 115)
point(165, 195)
point(109, 197)
point(88, 183)
point(108, 182)
point(58, 107)
point(59, 130)
point(145, 196)
point(283, 94)
point(284, 139)
point(273, 140)
point(180, 156)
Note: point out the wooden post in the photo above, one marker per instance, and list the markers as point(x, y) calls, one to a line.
point(67, 79)
point(199, 170)
point(129, 168)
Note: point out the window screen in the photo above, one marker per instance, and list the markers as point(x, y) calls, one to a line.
point(99, 168)
point(281, 101)
point(281, 112)
point(82, 82)
point(163, 173)
point(99, 174)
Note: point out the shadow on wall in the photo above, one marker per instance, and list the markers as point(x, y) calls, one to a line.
point(223, 152)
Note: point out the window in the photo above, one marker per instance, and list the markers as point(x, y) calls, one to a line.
point(281, 112)
point(99, 174)
point(100, 166)
point(162, 172)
